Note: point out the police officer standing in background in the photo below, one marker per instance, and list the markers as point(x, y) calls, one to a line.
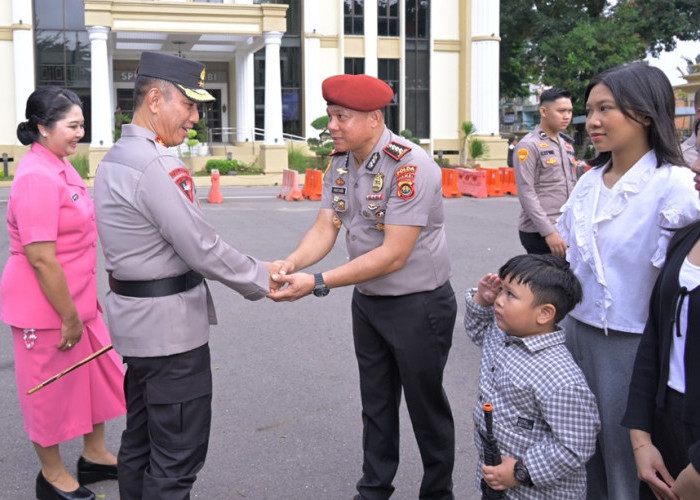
point(158, 248)
point(545, 174)
point(388, 195)
point(690, 153)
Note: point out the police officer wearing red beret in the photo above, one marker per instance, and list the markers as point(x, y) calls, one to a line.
point(158, 249)
point(388, 196)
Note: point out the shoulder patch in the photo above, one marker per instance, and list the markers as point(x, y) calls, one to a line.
point(396, 150)
point(523, 154)
point(183, 180)
point(405, 181)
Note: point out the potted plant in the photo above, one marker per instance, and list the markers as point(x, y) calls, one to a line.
point(477, 149)
point(202, 136)
point(466, 130)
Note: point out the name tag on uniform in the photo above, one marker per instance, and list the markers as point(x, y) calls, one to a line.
point(525, 423)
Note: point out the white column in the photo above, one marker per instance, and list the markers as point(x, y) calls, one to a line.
point(23, 53)
point(245, 97)
point(273, 89)
point(314, 73)
point(99, 89)
point(485, 49)
point(371, 31)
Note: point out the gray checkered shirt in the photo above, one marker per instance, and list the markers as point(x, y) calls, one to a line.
point(543, 410)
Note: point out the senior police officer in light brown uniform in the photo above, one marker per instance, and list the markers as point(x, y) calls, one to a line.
point(158, 248)
point(545, 174)
point(387, 195)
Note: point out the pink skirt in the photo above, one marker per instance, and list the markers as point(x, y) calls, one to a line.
point(70, 406)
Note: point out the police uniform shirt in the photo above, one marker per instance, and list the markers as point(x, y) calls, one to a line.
point(151, 227)
point(396, 185)
point(690, 154)
point(545, 176)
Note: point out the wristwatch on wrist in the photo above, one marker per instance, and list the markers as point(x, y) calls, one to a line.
point(521, 473)
point(320, 288)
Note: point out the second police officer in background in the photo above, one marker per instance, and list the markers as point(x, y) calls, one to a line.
point(388, 196)
point(158, 250)
point(545, 174)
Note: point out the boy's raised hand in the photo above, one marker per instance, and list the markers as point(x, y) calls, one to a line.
point(487, 290)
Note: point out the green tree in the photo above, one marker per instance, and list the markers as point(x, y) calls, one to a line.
point(323, 145)
point(565, 42)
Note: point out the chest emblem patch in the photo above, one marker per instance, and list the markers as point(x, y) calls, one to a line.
point(378, 183)
point(551, 161)
point(523, 154)
point(183, 180)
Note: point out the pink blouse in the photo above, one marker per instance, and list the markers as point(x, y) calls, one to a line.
point(48, 202)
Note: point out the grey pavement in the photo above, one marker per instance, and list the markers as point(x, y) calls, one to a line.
point(287, 419)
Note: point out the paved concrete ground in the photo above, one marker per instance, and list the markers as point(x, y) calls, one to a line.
point(287, 421)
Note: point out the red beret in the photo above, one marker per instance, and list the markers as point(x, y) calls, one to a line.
point(358, 92)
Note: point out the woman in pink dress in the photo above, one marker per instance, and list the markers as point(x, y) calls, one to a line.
point(48, 295)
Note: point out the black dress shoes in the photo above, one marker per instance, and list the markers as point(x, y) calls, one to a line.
point(47, 491)
point(90, 472)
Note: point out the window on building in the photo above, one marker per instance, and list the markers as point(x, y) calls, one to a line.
point(354, 66)
point(63, 50)
point(354, 17)
point(388, 71)
point(290, 73)
point(417, 59)
point(388, 17)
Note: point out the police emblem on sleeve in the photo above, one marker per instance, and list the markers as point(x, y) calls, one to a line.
point(405, 181)
point(183, 180)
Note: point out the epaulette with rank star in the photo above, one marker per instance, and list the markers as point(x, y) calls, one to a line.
point(396, 150)
point(567, 138)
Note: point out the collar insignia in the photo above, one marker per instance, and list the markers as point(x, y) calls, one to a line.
point(372, 162)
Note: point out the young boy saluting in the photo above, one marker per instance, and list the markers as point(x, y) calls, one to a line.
point(545, 418)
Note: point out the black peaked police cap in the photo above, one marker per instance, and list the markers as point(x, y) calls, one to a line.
point(187, 75)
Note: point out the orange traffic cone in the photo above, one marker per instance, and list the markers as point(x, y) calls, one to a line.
point(215, 191)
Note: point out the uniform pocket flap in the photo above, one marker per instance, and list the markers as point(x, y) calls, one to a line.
point(158, 392)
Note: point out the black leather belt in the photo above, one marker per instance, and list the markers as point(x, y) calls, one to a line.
point(156, 288)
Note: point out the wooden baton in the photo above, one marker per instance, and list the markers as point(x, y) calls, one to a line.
point(70, 369)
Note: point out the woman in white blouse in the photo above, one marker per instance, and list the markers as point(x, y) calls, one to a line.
point(617, 224)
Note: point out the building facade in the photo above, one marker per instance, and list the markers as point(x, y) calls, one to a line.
point(265, 64)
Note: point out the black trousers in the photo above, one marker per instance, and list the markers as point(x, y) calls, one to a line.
point(404, 342)
point(534, 243)
point(168, 419)
point(672, 436)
